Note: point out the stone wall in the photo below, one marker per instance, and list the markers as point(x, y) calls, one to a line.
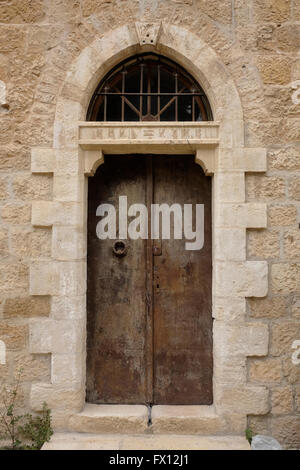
point(257, 41)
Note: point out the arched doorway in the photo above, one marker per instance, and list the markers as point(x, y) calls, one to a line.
point(149, 299)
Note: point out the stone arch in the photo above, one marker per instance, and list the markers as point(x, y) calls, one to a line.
point(175, 42)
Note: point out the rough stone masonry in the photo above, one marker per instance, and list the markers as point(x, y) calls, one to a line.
point(257, 42)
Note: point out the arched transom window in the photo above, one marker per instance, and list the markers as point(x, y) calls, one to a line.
point(149, 87)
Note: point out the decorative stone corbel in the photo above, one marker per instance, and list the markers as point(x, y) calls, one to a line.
point(92, 160)
point(206, 158)
point(148, 33)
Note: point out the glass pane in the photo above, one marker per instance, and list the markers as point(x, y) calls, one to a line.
point(167, 82)
point(129, 114)
point(113, 112)
point(169, 114)
point(100, 115)
point(198, 114)
point(185, 109)
point(132, 81)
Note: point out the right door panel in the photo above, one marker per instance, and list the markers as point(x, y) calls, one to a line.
point(182, 292)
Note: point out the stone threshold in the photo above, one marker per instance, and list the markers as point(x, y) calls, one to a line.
point(78, 441)
point(136, 419)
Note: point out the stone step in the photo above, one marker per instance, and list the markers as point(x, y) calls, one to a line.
point(133, 419)
point(78, 441)
point(101, 419)
point(191, 419)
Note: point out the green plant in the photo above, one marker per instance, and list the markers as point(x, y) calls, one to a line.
point(249, 435)
point(24, 432)
point(37, 429)
point(9, 421)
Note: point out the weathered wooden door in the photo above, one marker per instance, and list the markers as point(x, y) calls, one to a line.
point(149, 301)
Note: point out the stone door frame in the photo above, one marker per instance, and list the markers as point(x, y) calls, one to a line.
point(77, 151)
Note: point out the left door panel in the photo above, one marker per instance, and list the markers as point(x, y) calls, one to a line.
point(117, 308)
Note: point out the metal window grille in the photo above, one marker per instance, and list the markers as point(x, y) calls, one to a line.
point(149, 87)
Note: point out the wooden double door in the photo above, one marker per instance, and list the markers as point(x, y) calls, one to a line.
point(149, 332)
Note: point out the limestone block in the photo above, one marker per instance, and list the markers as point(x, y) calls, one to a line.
point(229, 187)
point(282, 400)
point(68, 243)
point(14, 276)
point(285, 278)
point(58, 278)
point(67, 162)
point(56, 336)
point(249, 215)
point(34, 367)
point(230, 369)
point(47, 213)
point(69, 399)
point(249, 279)
point(265, 371)
point(40, 336)
point(291, 244)
point(255, 159)
point(65, 135)
point(42, 160)
point(68, 308)
point(43, 213)
point(267, 307)
point(243, 159)
point(273, 10)
point(294, 189)
point(68, 188)
point(242, 399)
point(110, 419)
point(230, 244)
point(286, 158)
point(231, 133)
point(264, 244)
point(14, 336)
point(187, 420)
point(67, 110)
point(26, 307)
point(70, 213)
point(229, 308)
point(284, 333)
point(282, 216)
point(16, 214)
point(265, 188)
point(68, 369)
point(83, 69)
point(250, 339)
point(32, 187)
point(274, 69)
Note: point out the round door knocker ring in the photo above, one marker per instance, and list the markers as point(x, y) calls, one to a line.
point(120, 248)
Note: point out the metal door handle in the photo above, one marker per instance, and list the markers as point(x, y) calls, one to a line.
point(120, 248)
